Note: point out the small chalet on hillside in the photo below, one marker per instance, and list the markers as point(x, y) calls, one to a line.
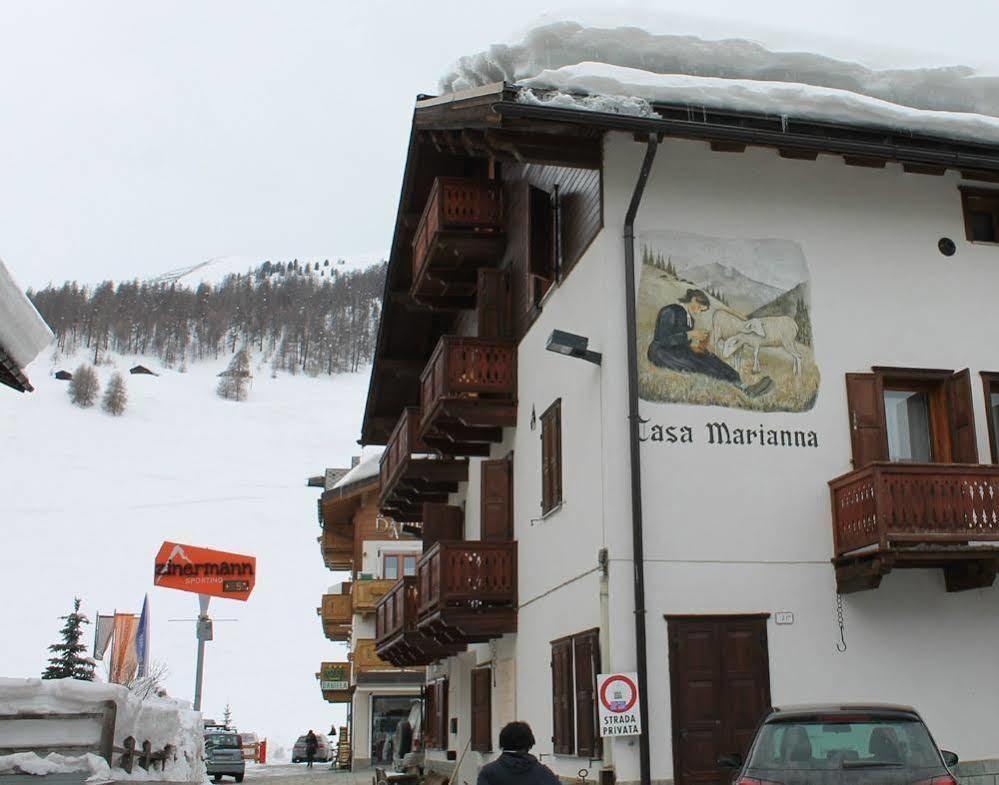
point(758, 352)
point(23, 333)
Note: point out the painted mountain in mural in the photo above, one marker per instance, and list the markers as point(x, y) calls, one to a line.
point(741, 292)
point(793, 303)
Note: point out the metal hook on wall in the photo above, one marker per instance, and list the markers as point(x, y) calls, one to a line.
point(841, 646)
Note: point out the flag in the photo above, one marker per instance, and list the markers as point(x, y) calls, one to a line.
point(102, 635)
point(142, 640)
point(123, 660)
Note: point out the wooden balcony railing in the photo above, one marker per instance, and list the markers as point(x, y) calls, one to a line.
point(411, 474)
point(468, 590)
point(364, 657)
point(337, 615)
point(468, 394)
point(461, 229)
point(366, 594)
point(337, 544)
point(888, 515)
point(397, 639)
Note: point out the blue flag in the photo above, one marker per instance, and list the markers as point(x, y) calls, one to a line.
point(142, 640)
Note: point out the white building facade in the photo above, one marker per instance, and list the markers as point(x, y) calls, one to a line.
point(761, 586)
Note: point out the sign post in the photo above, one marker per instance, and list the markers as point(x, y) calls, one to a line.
point(618, 705)
point(209, 574)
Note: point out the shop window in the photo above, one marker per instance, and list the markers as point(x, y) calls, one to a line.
point(395, 565)
point(551, 458)
point(911, 415)
point(991, 382)
point(575, 665)
point(387, 711)
point(482, 709)
point(981, 214)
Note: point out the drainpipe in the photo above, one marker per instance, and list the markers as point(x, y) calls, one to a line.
point(636, 456)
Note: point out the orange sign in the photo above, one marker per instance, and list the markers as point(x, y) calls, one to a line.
point(203, 571)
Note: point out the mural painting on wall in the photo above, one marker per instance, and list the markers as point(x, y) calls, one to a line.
point(725, 322)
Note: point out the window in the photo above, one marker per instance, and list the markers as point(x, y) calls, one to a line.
point(482, 708)
point(543, 242)
point(551, 458)
point(991, 381)
point(911, 415)
point(387, 711)
point(397, 565)
point(435, 725)
point(981, 214)
point(575, 665)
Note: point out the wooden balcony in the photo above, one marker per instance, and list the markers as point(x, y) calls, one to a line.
point(365, 658)
point(337, 543)
point(906, 515)
point(397, 639)
point(411, 474)
point(468, 591)
point(468, 394)
point(334, 681)
point(461, 230)
point(336, 614)
point(366, 594)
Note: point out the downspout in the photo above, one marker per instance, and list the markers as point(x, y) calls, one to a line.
point(634, 422)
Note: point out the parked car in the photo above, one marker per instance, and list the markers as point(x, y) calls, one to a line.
point(224, 755)
point(324, 750)
point(408, 744)
point(862, 744)
point(250, 745)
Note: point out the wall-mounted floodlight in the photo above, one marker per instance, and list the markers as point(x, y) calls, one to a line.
point(572, 345)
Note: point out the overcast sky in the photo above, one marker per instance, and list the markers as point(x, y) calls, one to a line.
point(138, 137)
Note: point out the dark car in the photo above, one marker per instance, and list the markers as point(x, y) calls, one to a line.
point(845, 745)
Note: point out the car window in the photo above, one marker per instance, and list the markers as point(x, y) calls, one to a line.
point(838, 744)
point(222, 740)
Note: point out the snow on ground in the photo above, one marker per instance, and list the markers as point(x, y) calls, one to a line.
point(213, 271)
point(89, 498)
point(162, 721)
point(785, 99)
point(555, 45)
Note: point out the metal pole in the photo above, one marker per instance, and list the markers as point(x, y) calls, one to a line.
point(204, 633)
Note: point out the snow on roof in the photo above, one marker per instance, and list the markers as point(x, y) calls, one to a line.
point(365, 470)
point(626, 66)
point(23, 332)
point(785, 99)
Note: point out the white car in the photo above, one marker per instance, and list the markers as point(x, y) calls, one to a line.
point(324, 750)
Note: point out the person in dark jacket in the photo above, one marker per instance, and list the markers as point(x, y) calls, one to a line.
point(676, 345)
point(311, 745)
point(516, 766)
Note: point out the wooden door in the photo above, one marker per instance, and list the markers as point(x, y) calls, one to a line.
point(720, 689)
point(497, 501)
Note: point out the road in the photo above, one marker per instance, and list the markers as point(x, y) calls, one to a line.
point(298, 774)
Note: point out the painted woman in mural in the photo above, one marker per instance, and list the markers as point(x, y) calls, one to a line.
point(677, 346)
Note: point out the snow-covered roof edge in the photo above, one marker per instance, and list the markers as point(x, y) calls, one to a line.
point(23, 331)
point(366, 470)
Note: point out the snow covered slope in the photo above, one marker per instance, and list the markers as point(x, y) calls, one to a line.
point(213, 271)
point(90, 498)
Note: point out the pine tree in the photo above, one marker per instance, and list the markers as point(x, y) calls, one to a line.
point(67, 661)
point(84, 386)
point(235, 381)
point(227, 716)
point(115, 396)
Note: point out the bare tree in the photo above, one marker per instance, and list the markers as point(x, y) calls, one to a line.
point(115, 396)
point(84, 386)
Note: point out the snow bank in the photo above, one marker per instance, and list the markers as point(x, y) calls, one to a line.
point(801, 101)
point(94, 766)
point(553, 46)
point(160, 720)
point(23, 332)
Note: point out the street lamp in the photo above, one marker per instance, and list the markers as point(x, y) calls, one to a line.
point(572, 345)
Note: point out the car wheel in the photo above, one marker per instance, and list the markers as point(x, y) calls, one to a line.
point(217, 778)
point(239, 778)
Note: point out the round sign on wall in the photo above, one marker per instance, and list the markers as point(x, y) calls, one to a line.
point(618, 693)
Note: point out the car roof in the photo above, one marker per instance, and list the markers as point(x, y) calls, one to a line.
point(827, 709)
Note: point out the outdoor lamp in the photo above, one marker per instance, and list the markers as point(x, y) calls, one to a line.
point(572, 345)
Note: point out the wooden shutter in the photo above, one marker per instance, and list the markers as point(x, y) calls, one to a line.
point(963, 441)
point(562, 720)
point(866, 405)
point(586, 654)
point(481, 730)
point(442, 715)
point(551, 457)
point(497, 500)
point(441, 522)
point(493, 304)
point(430, 717)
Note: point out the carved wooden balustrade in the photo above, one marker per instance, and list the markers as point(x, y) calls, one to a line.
point(468, 591)
point(461, 230)
point(889, 515)
point(337, 544)
point(366, 594)
point(397, 639)
point(468, 394)
point(336, 614)
point(411, 475)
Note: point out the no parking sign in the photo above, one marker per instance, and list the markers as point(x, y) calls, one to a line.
point(620, 714)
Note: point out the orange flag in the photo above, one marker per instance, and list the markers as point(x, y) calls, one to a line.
point(123, 656)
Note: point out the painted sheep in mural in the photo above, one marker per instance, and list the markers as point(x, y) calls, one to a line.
point(765, 331)
point(724, 324)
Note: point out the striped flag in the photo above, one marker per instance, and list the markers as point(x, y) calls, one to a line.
point(142, 640)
